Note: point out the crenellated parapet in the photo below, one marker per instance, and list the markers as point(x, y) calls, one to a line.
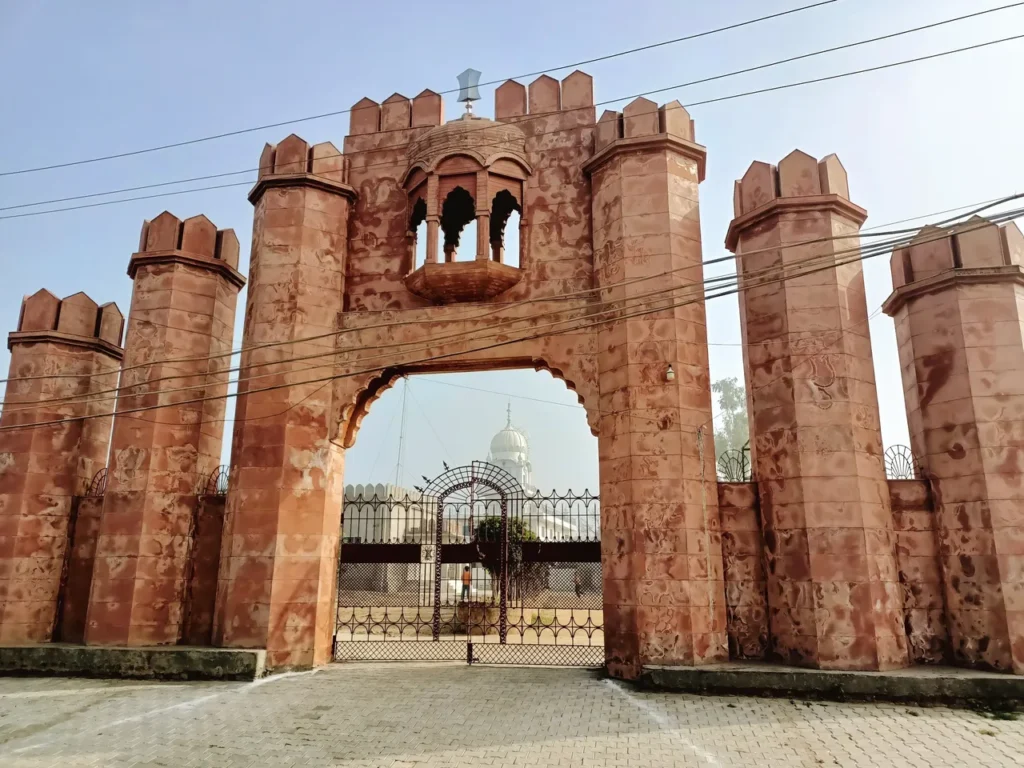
point(643, 125)
point(798, 183)
point(544, 95)
point(196, 242)
point(938, 257)
point(396, 113)
point(294, 162)
point(76, 320)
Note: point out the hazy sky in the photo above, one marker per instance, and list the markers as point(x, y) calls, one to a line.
point(83, 79)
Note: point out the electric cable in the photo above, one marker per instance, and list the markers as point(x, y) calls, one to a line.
point(434, 358)
point(677, 86)
point(335, 113)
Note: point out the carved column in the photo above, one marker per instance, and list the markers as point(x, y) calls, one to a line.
point(168, 430)
point(280, 548)
point(483, 217)
point(833, 593)
point(664, 595)
point(65, 358)
point(433, 219)
point(957, 302)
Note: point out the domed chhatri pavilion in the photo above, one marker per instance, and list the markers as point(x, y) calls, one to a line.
point(112, 533)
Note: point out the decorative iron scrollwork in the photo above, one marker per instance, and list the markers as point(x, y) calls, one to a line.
point(98, 484)
point(217, 484)
point(734, 465)
point(901, 464)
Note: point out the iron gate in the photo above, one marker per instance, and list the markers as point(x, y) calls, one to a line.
point(470, 567)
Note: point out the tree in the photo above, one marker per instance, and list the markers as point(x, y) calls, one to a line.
point(520, 572)
point(733, 432)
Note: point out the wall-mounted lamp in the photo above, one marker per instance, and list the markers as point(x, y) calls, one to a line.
point(670, 375)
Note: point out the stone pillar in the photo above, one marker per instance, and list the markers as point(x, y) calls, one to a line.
point(433, 219)
point(833, 593)
point(65, 357)
point(664, 595)
point(279, 558)
point(483, 216)
point(166, 439)
point(957, 302)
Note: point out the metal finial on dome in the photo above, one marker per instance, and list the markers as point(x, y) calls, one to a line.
point(469, 90)
point(508, 413)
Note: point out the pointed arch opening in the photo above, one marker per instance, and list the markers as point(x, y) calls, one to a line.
point(418, 233)
point(505, 213)
point(457, 211)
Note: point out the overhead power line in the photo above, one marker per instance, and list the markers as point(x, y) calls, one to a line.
point(730, 97)
point(377, 369)
point(385, 147)
point(588, 308)
point(503, 394)
point(335, 113)
point(426, 418)
point(829, 259)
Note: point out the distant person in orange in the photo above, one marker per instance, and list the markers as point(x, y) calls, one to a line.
point(467, 578)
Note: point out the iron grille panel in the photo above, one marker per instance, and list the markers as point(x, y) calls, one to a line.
point(539, 655)
point(401, 651)
point(471, 568)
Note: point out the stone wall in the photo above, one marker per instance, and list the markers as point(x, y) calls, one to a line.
point(74, 601)
point(201, 590)
point(742, 556)
point(917, 556)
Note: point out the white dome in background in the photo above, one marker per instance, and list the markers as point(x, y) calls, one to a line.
point(510, 450)
point(510, 443)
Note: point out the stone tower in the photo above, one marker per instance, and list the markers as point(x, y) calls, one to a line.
point(957, 302)
point(65, 358)
point(834, 597)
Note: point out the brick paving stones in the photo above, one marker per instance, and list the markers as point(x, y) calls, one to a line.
point(400, 715)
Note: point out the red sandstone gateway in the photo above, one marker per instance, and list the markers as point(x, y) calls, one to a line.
point(820, 561)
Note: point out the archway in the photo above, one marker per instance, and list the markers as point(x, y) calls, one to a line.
point(470, 565)
point(618, 328)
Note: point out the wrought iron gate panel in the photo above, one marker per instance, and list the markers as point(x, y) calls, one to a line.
point(471, 567)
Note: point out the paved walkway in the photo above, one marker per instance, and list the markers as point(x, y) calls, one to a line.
point(454, 715)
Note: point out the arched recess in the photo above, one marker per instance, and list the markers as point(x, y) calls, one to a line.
point(457, 210)
point(355, 395)
point(418, 234)
point(503, 206)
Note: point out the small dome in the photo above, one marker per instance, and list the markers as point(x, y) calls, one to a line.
point(476, 137)
point(510, 444)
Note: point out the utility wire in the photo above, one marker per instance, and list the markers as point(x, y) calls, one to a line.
point(350, 154)
point(383, 442)
point(503, 394)
point(830, 264)
point(335, 113)
point(488, 313)
point(587, 309)
point(430, 424)
point(730, 97)
point(867, 320)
